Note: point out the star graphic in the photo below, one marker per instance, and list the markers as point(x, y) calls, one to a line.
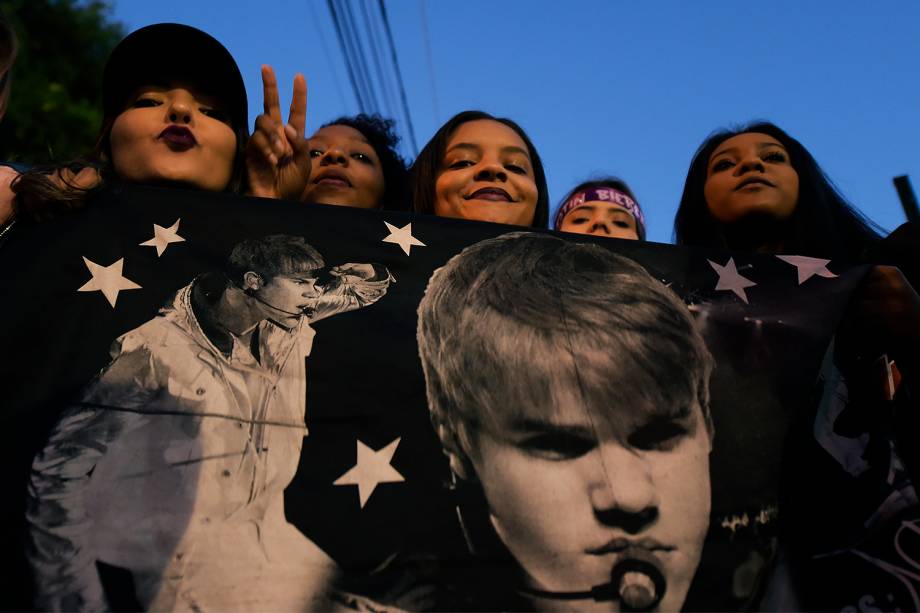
point(372, 469)
point(729, 279)
point(808, 267)
point(107, 279)
point(163, 236)
point(402, 237)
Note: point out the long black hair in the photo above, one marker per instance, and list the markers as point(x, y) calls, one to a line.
point(427, 166)
point(824, 223)
point(381, 135)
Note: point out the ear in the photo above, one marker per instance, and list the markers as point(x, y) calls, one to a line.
point(252, 281)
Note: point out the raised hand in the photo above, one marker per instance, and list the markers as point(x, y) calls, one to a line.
point(278, 154)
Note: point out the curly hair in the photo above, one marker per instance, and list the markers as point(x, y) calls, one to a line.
point(380, 133)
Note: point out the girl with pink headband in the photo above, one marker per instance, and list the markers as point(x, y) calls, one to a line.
point(602, 207)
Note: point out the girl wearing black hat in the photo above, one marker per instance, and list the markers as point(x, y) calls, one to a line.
point(175, 113)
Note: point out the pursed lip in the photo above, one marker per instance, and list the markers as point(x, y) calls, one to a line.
point(495, 194)
point(178, 137)
point(332, 177)
point(624, 545)
point(752, 181)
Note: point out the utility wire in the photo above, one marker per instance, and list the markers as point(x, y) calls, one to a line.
point(360, 56)
point(355, 56)
point(351, 73)
point(376, 53)
point(402, 89)
point(332, 66)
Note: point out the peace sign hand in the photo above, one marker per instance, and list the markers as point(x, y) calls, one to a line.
point(278, 154)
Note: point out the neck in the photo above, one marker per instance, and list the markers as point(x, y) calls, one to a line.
point(237, 313)
point(757, 233)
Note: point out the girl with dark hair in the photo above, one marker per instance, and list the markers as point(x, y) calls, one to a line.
point(601, 207)
point(355, 163)
point(481, 167)
point(175, 113)
point(757, 188)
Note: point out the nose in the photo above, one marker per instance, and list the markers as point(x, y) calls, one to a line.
point(751, 162)
point(600, 227)
point(334, 155)
point(622, 490)
point(180, 111)
point(490, 170)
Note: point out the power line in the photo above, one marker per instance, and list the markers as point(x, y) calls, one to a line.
point(376, 52)
point(351, 72)
point(322, 40)
point(402, 89)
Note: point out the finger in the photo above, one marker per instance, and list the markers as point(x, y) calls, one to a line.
point(298, 115)
point(274, 134)
point(300, 147)
point(270, 100)
point(259, 142)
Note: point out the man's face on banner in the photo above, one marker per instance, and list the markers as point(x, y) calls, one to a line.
point(286, 296)
point(572, 493)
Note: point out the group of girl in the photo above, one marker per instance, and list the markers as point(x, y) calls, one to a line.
point(751, 188)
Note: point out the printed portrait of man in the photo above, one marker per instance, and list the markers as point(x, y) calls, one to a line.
point(171, 469)
point(570, 389)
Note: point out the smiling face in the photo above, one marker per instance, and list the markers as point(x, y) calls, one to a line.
point(487, 175)
point(346, 170)
point(572, 493)
point(286, 296)
point(173, 134)
point(601, 218)
point(750, 174)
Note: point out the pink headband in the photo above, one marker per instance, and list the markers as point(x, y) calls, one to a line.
point(603, 194)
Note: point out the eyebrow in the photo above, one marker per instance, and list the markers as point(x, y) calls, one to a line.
point(532, 425)
point(475, 147)
point(760, 145)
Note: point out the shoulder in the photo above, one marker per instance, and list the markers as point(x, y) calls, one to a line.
point(7, 175)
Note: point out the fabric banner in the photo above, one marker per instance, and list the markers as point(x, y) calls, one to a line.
point(219, 403)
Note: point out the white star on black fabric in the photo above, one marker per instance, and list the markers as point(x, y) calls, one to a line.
point(402, 237)
point(107, 279)
point(808, 267)
point(730, 280)
point(163, 236)
point(372, 469)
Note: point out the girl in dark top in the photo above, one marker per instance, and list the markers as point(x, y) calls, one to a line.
point(355, 163)
point(481, 167)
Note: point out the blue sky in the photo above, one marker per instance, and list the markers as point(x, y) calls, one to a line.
point(618, 87)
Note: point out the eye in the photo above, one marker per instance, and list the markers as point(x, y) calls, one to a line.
point(362, 157)
point(460, 164)
point(723, 164)
point(659, 435)
point(557, 446)
point(621, 224)
point(145, 102)
point(516, 169)
point(777, 157)
point(315, 153)
point(579, 220)
point(217, 114)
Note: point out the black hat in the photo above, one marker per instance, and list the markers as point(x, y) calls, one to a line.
point(174, 52)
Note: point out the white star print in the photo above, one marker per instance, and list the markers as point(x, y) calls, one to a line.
point(402, 237)
point(808, 267)
point(372, 469)
point(730, 280)
point(163, 236)
point(108, 280)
